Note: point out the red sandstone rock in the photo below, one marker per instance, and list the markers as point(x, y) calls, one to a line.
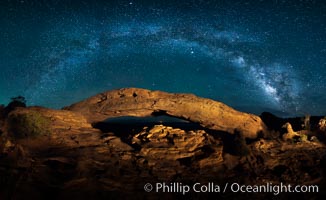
point(140, 102)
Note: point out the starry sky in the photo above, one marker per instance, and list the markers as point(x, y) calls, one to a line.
point(252, 55)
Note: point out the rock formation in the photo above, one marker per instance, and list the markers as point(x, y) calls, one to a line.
point(322, 124)
point(290, 133)
point(72, 159)
point(140, 102)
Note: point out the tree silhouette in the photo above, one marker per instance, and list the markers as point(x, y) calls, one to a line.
point(18, 101)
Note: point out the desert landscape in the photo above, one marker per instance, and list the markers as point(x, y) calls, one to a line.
point(114, 144)
point(143, 99)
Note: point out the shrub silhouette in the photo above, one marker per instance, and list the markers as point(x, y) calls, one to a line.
point(30, 124)
point(18, 101)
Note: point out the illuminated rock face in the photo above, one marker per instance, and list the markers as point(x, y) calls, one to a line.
point(140, 102)
point(74, 158)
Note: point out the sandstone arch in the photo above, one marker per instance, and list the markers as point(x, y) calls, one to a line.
point(141, 102)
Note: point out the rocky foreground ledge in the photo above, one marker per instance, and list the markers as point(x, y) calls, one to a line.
point(78, 153)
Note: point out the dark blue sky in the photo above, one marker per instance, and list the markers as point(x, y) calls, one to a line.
point(252, 55)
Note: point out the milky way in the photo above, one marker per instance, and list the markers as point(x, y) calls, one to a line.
point(241, 59)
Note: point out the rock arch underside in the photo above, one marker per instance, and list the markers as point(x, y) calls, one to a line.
point(137, 102)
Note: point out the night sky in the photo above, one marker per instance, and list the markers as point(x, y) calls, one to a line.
point(254, 56)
